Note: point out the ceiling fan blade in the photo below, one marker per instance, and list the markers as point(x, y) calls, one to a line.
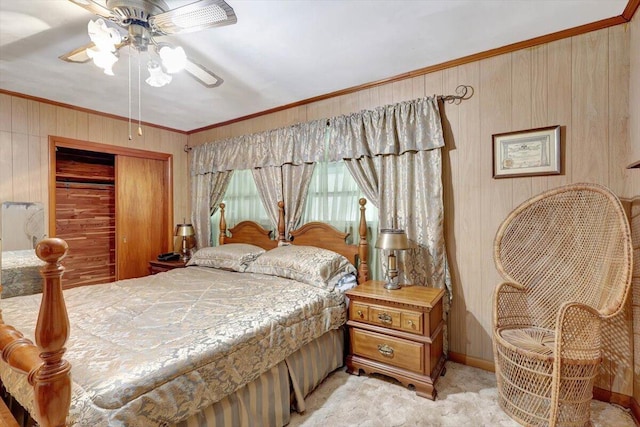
point(202, 75)
point(78, 55)
point(194, 17)
point(94, 7)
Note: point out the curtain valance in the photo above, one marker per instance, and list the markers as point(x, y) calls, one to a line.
point(297, 144)
point(409, 126)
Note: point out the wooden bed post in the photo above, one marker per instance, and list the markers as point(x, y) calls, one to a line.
point(47, 371)
point(281, 225)
point(222, 226)
point(363, 246)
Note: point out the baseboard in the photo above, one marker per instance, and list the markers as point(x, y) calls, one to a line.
point(635, 411)
point(612, 397)
point(598, 393)
point(486, 365)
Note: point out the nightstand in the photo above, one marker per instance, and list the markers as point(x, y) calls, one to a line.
point(397, 333)
point(160, 266)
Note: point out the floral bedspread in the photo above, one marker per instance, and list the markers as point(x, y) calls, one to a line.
point(155, 350)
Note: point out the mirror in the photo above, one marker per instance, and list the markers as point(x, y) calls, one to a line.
point(22, 228)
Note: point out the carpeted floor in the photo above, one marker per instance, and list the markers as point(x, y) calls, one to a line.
point(466, 397)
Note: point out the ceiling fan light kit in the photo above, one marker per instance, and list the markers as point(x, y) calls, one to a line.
point(105, 40)
point(144, 20)
point(173, 60)
point(157, 77)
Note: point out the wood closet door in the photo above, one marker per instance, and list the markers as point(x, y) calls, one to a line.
point(142, 223)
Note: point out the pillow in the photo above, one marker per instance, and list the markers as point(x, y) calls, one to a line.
point(232, 256)
point(315, 266)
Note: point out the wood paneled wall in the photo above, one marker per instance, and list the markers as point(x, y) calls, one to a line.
point(635, 301)
point(26, 124)
point(580, 83)
point(634, 130)
point(634, 87)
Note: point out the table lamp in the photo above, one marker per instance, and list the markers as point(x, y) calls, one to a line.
point(185, 231)
point(392, 240)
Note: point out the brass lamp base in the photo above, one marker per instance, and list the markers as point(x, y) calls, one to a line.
point(392, 286)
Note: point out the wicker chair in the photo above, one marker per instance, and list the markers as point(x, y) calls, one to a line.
point(566, 257)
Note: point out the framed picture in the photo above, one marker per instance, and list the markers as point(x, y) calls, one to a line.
point(527, 152)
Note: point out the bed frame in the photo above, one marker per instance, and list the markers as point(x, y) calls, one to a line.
point(50, 374)
point(318, 234)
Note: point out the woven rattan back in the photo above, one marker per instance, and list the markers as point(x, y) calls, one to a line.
point(567, 244)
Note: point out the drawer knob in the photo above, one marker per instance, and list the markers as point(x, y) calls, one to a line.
point(385, 350)
point(385, 318)
point(359, 313)
point(410, 322)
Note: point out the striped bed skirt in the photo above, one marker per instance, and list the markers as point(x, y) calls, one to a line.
point(268, 400)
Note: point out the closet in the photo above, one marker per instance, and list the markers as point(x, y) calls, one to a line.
point(112, 205)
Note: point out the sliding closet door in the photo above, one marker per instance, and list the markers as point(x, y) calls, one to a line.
point(142, 221)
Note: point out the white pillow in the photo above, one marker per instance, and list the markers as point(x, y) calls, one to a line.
point(315, 266)
point(232, 256)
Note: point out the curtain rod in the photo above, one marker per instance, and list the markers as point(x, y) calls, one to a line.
point(463, 92)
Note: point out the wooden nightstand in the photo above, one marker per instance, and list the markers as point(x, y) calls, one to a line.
point(397, 333)
point(160, 266)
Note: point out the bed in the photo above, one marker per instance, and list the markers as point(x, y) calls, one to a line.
point(20, 273)
point(229, 340)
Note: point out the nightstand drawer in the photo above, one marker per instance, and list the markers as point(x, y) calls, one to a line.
point(391, 350)
point(384, 317)
point(358, 311)
point(411, 322)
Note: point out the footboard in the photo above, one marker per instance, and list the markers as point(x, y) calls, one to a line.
point(47, 372)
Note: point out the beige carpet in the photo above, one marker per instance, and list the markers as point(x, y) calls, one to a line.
point(466, 397)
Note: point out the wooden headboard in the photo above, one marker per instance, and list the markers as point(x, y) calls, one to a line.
point(318, 234)
point(325, 236)
point(250, 231)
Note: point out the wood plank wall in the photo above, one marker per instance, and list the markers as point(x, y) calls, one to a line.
point(634, 135)
point(85, 217)
point(26, 124)
point(635, 301)
point(634, 89)
point(580, 83)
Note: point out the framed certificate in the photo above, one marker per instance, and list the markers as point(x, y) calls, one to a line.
point(527, 152)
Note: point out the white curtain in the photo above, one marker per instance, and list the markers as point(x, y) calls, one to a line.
point(281, 160)
point(206, 193)
point(288, 183)
point(394, 154)
point(242, 202)
point(333, 197)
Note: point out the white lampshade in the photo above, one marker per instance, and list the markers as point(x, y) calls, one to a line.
point(104, 37)
point(103, 59)
point(157, 77)
point(173, 60)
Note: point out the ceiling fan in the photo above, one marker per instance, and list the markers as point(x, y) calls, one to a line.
point(145, 20)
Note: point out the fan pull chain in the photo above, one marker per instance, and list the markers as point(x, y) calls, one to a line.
point(130, 138)
point(139, 98)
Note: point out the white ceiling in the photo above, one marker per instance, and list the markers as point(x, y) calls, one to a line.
point(279, 52)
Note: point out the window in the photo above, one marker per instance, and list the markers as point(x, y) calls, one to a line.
point(333, 198)
point(242, 202)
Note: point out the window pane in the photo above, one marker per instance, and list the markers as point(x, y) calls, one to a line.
point(333, 198)
point(242, 203)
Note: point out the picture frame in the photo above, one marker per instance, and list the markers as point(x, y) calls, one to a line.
point(529, 152)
